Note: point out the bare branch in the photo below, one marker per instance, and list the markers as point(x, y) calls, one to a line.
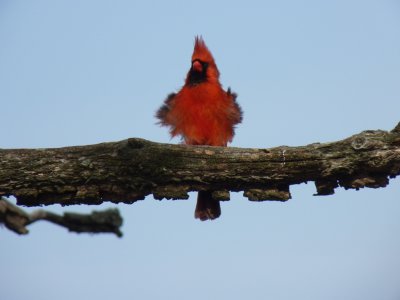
point(15, 219)
point(129, 170)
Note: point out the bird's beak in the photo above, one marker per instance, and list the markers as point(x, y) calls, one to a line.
point(197, 66)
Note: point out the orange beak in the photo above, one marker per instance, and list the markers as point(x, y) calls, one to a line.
point(197, 66)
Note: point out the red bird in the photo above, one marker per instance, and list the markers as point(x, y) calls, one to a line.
point(202, 113)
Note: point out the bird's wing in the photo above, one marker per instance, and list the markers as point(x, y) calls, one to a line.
point(236, 113)
point(163, 112)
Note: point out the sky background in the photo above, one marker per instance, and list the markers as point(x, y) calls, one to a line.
point(84, 72)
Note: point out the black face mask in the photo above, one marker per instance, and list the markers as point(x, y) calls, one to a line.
point(196, 77)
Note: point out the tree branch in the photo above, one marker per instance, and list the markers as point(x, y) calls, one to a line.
point(128, 170)
point(15, 219)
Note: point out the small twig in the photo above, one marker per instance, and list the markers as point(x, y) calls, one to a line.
point(16, 219)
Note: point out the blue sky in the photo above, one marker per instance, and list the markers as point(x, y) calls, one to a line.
point(84, 72)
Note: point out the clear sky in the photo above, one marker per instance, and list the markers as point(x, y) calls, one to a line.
point(84, 72)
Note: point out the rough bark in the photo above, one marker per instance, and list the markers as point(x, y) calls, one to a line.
point(128, 170)
point(16, 219)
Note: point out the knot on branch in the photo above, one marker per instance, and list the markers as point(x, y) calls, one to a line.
point(360, 143)
point(370, 140)
point(129, 146)
point(136, 143)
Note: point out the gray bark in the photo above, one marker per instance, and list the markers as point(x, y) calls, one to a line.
point(129, 170)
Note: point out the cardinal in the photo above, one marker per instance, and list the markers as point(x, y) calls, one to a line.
point(202, 113)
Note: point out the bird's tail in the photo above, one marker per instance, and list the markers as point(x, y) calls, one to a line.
point(207, 208)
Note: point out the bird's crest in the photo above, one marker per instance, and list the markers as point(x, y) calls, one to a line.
point(201, 51)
